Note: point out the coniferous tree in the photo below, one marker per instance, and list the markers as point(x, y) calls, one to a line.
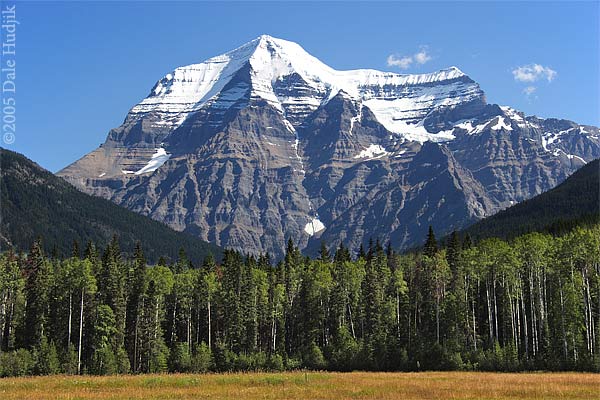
point(324, 253)
point(431, 246)
point(136, 296)
point(529, 303)
point(37, 272)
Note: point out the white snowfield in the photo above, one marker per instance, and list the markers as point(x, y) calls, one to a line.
point(314, 226)
point(398, 101)
point(157, 160)
point(296, 83)
point(372, 152)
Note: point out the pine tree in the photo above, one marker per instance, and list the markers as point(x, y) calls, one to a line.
point(431, 246)
point(37, 272)
point(137, 286)
point(75, 253)
point(85, 286)
point(361, 252)
point(111, 285)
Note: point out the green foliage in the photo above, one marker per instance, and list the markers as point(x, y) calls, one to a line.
point(46, 359)
point(158, 358)
point(275, 363)
point(343, 351)
point(69, 361)
point(122, 362)
point(17, 363)
point(202, 359)
point(104, 361)
point(312, 357)
point(180, 359)
point(531, 303)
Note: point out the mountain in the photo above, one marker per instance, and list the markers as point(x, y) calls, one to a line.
point(576, 201)
point(265, 143)
point(37, 203)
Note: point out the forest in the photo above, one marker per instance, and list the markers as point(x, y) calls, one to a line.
point(531, 303)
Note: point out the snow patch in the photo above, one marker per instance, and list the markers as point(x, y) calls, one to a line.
point(572, 156)
point(157, 160)
point(501, 124)
point(314, 226)
point(356, 119)
point(374, 151)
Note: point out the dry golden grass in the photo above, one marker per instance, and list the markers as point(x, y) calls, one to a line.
point(311, 385)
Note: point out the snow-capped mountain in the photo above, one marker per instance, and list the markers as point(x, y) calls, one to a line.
point(266, 142)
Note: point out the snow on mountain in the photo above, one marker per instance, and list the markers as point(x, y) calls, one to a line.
point(314, 226)
point(296, 83)
point(158, 159)
point(372, 152)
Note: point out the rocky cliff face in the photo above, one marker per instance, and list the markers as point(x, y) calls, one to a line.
point(266, 142)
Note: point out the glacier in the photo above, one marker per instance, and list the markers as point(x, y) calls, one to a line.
point(399, 101)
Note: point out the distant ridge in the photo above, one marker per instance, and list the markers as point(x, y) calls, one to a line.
point(574, 202)
point(34, 202)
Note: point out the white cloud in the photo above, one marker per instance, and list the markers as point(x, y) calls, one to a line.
point(533, 73)
point(404, 62)
point(400, 62)
point(529, 90)
point(422, 57)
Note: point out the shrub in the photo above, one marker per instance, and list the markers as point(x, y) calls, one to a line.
point(46, 359)
point(69, 361)
point(122, 361)
point(103, 361)
point(343, 351)
point(159, 355)
point(275, 363)
point(224, 359)
point(312, 357)
point(180, 359)
point(202, 359)
point(16, 363)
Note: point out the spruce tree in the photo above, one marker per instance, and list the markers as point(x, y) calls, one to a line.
point(37, 272)
point(431, 246)
point(136, 287)
point(324, 253)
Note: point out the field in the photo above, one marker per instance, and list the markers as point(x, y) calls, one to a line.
point(311, 385)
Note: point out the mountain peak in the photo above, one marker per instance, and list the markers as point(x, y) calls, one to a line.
point(266, 142)
point(297, 83)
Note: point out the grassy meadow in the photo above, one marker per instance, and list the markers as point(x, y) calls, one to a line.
point(310, 385)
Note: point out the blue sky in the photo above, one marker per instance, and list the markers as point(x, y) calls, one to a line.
point(82, 65)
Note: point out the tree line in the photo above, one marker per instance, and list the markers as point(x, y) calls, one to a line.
point(530, 303)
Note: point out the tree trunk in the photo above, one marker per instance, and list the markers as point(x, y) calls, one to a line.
point(80, 333)
point(489, 310)
point(70, 319)
point(209, 328)
point(562, 318)
point(495, 308)
point(525, 327)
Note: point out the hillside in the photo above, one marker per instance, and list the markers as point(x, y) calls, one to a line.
point(34, 202)
point(574, 202)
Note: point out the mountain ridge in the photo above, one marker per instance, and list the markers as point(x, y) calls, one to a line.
point(576, 201)
point(37, 203)
point(277, 146)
